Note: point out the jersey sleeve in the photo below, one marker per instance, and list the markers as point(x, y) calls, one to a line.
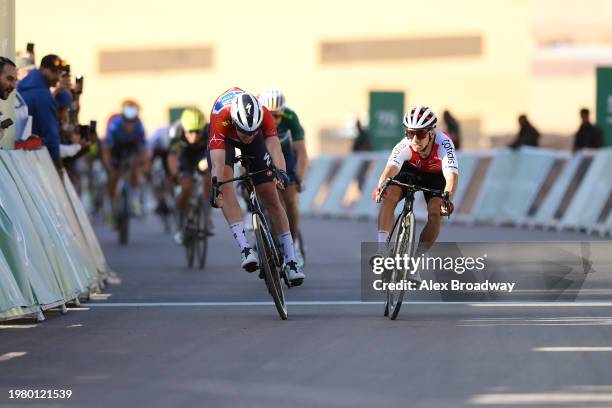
point(267, 125)
point(140, 134)
point(217, 130)
point(111, 132)
point(400, 154)
point(297, 131)
point(448, 156)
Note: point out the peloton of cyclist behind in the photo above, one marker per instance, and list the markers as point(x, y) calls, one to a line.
point(291, 135)
point(428, 154)
point(187, 155)
point(239, 121)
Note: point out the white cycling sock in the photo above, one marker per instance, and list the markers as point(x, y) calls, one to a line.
point(239, 235)
point(383, 236)
point(287, 243)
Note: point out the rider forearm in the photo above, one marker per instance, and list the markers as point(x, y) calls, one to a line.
point(389, 172)
point(302, 158)
point(173, 164)
point(451, 183)
point(106, 157)
point(276, 152)
point(217, 158)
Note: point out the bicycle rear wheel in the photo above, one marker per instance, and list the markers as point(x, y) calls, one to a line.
point(404, 244)
point(269, 265)
point(123, 216)
point(202, 237)
point(190, 234)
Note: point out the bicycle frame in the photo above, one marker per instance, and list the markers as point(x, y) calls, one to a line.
point(253, 203)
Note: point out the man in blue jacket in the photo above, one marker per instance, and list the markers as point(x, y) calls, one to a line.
point(34, 89)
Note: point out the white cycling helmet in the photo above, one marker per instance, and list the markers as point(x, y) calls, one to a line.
point(273, 99)
point(247, 113)
point(420, 117)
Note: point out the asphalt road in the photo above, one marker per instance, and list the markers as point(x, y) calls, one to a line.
point(161, 338)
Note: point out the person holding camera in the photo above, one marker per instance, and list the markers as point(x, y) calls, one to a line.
point(42, 106)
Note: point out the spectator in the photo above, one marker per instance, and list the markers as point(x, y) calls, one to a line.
point(42, 105)
point(588, 135)
point(362, 142)
point(527, 135)
point(8, 80)
point(453, 130)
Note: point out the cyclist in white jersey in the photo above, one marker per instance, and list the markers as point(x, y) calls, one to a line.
point(428, 154)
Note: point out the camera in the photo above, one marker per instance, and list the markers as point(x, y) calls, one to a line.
point(6, 123)
point(79, 84)
point(84, 131)
point(92, 127)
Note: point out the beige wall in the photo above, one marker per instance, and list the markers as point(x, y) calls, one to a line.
point(7, 49)
point(277, 44)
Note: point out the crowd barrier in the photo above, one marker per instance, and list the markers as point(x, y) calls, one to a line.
point(49, 254)
point(529, 187)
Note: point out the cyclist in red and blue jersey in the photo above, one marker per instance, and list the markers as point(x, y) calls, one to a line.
point(239, 121)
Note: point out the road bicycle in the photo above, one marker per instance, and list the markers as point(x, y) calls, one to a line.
point(270, 258)
point(403, 236)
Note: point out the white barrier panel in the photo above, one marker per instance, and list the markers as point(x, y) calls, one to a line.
point(467, 166)
point(492, 193)
point(511, 184)
point(532, 166)
point(99, 259)
point(318, 173)
point(346, 174)
point(592, 195)
point(12, 303)
point(546, 213)
point(366, 207)
point(34, 264)
point(40, 163)
point(71, 280)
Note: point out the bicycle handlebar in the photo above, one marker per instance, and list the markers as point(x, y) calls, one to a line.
point(414, 188)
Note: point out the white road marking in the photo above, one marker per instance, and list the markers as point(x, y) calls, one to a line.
point(572, 349)
point(12, 355)
point(344, 303)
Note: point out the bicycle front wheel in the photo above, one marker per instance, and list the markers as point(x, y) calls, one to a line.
point(404, 245)
point(123, 217)
point(269, 266)
point(202, 239)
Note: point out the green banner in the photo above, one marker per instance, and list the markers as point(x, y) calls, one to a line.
point(604, 102)
point(386, 113)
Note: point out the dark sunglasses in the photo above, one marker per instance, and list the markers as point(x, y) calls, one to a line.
point(420, 134)
point(247, 133)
